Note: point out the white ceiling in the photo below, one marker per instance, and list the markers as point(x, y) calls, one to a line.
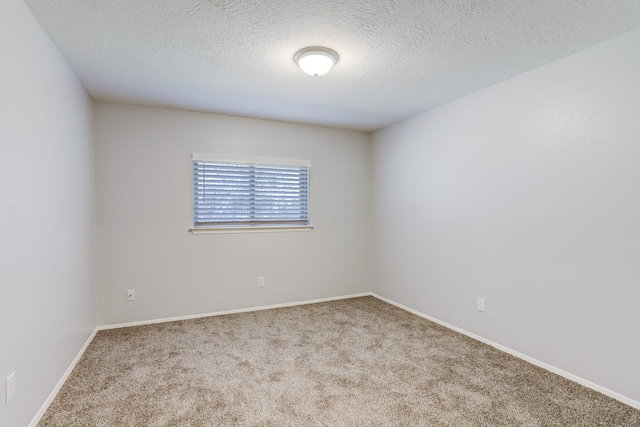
point(397, 58)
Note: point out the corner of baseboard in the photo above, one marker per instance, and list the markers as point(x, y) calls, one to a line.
point(36, 419)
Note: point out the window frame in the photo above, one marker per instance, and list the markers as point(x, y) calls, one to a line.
point(240, 227)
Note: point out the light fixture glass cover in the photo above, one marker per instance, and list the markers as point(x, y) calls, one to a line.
point(316, 60)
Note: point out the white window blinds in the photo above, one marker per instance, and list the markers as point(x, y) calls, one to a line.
point(249, 194)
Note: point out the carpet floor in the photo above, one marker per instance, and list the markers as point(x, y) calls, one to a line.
point(354, 362)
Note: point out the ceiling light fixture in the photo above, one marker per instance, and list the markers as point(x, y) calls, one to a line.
point(315, 60)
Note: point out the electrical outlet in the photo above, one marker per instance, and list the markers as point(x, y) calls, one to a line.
point(481, 306)
point(131, 294)
point(11, 387)
point(261, 282)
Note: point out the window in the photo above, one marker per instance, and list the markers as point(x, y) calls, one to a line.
point(240, 194)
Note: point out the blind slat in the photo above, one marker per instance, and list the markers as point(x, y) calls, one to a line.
point(227, 194)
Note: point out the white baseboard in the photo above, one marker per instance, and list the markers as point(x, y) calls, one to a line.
point(36, 419)
point(624, 399)
point(34, 422)
point(222, 313)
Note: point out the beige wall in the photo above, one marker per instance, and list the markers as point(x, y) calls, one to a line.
point(144, 209)
point(527, 194)
point(47, 300)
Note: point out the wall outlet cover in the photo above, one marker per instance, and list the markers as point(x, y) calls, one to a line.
point(11, 387)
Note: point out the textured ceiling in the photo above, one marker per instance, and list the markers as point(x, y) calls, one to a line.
point(397, 58)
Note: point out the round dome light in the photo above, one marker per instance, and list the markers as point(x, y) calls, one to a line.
point(316, 61)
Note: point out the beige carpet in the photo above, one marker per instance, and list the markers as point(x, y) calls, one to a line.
point(356, 362)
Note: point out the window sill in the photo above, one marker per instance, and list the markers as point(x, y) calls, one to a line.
point(272, 229)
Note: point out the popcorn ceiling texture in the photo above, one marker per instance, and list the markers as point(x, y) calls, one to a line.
point(355, 362)
point(397, 58)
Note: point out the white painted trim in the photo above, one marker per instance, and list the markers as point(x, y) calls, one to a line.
point(567, 375)
point(34, 422)
point(624, 399)
point(222, 313)
point(256, 229)
point(204, 157)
